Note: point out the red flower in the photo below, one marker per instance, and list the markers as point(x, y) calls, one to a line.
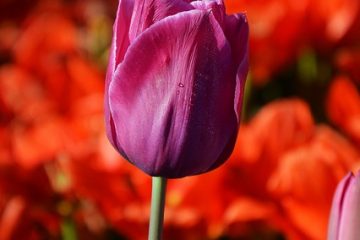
point(306, 178)
point(275, 129)
point(343, 106)
point(278, 155)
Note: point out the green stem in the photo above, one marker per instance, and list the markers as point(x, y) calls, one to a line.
point(157, 208)
point(68, 229)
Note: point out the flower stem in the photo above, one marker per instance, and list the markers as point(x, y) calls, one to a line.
point(157, 208)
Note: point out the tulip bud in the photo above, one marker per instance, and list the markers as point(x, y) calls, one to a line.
point(174, 84)
point(345, 213)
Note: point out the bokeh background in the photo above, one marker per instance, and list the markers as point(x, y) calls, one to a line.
point(61, 179)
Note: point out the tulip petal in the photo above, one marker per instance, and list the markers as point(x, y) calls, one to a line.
point(147, 12)
point(174, 92)
point(120, 41)
point(337, 207)
point(237, 32)
point(350, 217)
point(119, 45)
point(217, 8)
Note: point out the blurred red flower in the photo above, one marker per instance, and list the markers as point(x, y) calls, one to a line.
point(343, 106)
point(275, 129)
point(276, 34)
point(347, 61)
point(51, 110)
point(278, 156)
point(281, 31)
point(306, 178)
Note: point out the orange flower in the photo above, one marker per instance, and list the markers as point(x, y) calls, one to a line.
point(330, 21)
point(188, 194)
point(277, 128)
point(25, 197)
point(51, 110)
point(306, 178)
point(276, 33)
point(347, 60)
point(39, 41)
point(10, 217)
point(289, 168)
point(281, 30)
point(343, 106)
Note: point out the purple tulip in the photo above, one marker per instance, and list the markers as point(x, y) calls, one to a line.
point(345, 213)
point(175, 84)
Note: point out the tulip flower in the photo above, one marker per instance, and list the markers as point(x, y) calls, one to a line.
point(345, 213)
point(175, 83)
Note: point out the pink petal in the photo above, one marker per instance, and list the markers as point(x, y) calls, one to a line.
point(147, 12)
point(337, 207)
point(217, 8)
point(120, 41)
point(349, 228)
point(119, 45)
point(237, 33)
point(172, 97)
